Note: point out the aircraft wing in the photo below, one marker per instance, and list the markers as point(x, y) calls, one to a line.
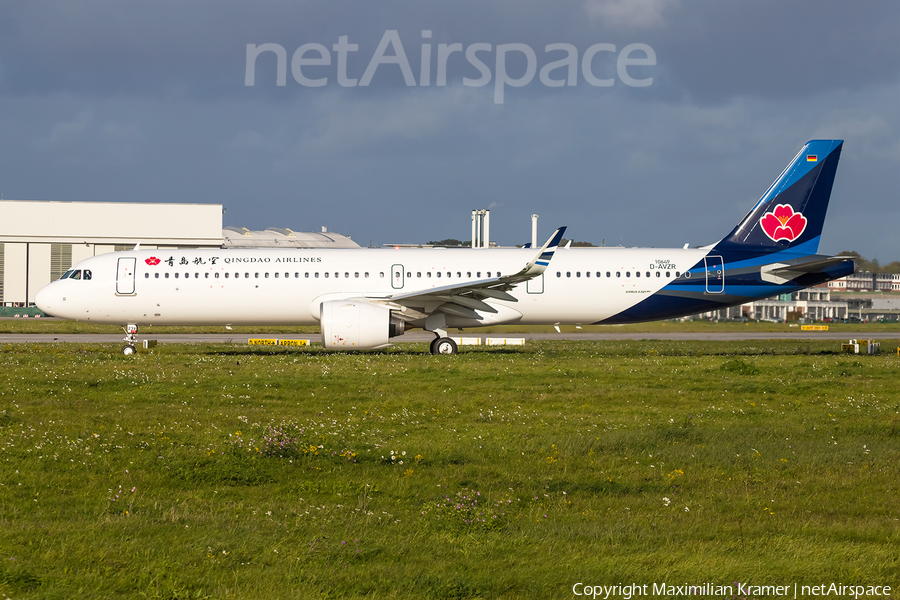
point(464, 298)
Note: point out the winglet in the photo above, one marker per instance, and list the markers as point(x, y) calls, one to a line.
point(537, 265)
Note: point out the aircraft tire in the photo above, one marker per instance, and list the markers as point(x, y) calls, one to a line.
point(444, 346)
point(128, 350)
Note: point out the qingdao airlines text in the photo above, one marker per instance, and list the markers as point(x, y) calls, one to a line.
point(308, 62)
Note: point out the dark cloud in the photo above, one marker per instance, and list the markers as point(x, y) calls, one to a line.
point(103, 100)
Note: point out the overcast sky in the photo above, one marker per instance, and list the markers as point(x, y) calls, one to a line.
point(661, 144)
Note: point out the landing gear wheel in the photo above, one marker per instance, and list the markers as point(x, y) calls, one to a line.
point(130, 338)
point(444, 346)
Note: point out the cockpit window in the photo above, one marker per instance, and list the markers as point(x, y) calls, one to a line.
point(75, 275)
point(87, 274)
point(67, 274)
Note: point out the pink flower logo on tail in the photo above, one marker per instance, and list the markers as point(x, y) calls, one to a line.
point(783, 223)
point(152, 261)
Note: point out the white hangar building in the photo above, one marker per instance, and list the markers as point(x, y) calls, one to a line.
point(40, 240)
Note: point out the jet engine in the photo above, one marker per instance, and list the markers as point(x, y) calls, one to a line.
point(358, 325)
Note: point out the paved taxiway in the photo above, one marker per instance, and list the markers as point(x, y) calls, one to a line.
point(420, 336)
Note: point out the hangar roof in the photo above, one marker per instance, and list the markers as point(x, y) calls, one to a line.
point(277, 237)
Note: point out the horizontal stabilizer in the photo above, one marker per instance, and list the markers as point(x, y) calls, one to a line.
point(780, 273)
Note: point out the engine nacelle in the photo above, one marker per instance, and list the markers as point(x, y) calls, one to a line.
point(357, 325)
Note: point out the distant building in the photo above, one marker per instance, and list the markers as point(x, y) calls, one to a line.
point(276, 237)
point(866, 281)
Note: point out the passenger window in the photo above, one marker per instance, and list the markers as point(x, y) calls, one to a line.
point(657, 274)
point(326, 274)
point(381, 274)
point(428, 274)
point(618, 273)
point(367, 275)
point(459, 274)
point(216, 275)
point(577, 273)
point(167, 275)
point(197, 275)
point(205, 275)
point(568, 273)
point(356, 275)
point(587, 273)
point(438, 273)
point(668, 273)
point(307, 274)
point(488, 273)
point(347, 275)
point(677, 274)
point(648, 273)
point(156, 275)
point(627, 273)
point(468, 273)
point(276, 275)
point(637, 273)
point(477, 273)
point(146, 275)
point(317, 275)
point(246, 275)
point(558, 274)
point(608, 274)
point(297, 275)
point(418, 274)
point(266, 275)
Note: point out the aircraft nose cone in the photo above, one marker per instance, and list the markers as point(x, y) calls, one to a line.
point(44, 299)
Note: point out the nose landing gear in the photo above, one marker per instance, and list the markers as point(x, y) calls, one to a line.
point(130, 339)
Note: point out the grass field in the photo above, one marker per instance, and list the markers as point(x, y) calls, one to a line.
point(52, 325)
point(205, 471)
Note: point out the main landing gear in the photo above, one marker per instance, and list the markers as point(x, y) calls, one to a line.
point(444, 345)
point(437, 324)
point(130, 339)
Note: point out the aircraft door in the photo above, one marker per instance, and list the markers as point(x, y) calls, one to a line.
point(397, 277)
point(125, 276)
point(535, 285)
point(715, 275)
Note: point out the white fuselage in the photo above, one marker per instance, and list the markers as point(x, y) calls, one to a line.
point(288, 286)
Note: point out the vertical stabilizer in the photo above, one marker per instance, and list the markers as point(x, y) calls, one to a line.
point(792, 212)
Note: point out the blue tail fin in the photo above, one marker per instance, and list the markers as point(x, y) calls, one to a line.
point(791, 213)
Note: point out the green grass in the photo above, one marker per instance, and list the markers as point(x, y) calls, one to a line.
point(217, 471)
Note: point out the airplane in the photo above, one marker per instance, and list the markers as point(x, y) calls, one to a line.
point(363, 298)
